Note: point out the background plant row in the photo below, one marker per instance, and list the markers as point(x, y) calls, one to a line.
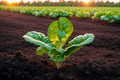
point(103, 13)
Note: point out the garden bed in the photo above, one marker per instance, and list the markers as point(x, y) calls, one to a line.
point(18, 60)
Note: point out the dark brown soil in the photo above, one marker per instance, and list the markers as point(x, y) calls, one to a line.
point(97, 61)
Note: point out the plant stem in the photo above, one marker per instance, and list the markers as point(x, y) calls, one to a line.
point(58, 65)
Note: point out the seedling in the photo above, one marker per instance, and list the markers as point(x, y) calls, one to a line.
point(58, 33)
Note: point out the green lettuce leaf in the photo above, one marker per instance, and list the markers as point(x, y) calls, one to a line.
point(38, 39)
point(78, 42)
point(105, 18)
point(116, 18)
point(41, 50)
point(59, 32)
point(56, 55)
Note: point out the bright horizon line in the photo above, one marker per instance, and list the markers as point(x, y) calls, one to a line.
point(86, 1)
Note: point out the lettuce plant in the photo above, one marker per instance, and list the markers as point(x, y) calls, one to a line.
point(58, 33)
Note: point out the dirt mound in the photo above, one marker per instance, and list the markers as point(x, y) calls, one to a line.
point(97, 61)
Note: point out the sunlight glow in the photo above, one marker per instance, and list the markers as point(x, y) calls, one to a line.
point(12, 1)
point(86, 1)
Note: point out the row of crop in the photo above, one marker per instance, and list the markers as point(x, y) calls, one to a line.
point(105, 14)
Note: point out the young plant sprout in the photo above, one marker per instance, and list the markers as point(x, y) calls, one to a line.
point(58, 33)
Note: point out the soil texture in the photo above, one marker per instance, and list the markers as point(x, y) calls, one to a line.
point(18, 60)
